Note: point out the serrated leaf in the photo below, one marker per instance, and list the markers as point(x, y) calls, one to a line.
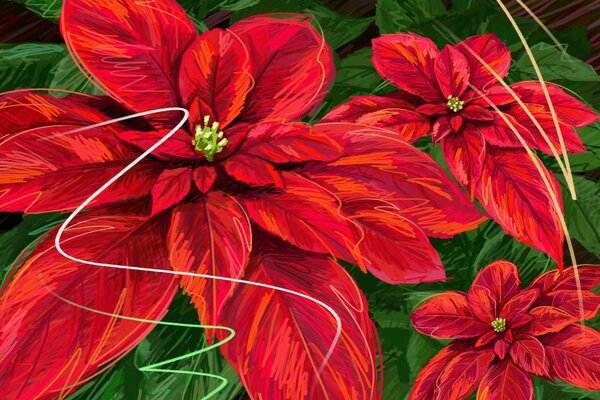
point(28, 65)
point(399, 15)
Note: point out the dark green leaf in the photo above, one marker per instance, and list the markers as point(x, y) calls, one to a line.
point(399, 15)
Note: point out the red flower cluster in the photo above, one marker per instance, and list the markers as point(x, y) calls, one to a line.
point(243, 191)
point(455, 95)
point(505, 334)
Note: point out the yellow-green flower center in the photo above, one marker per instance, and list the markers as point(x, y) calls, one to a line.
point(499, 324)
point(455, 104)
point(209, 139)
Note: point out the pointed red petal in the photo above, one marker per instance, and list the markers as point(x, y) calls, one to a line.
point(572, 301)
point(477, 113)
point(50, 344)
point(452, 72)
point(442, 127)
point(211, 236)
point(407, 60)
point(512, 191)
point(251, 170)
point(501, 348)
point(447, 316)
point(529, 354)
point(281, 92)
point(377, 163)
point(391, 247)
point(214, 77)
point(519, 303)
point(204, 177)
point(482, 50)
point(493, 286)
point(170, 188)
point(548, 319)
point(357, 106)
point(135, 65)
point(462, 374)
point(587, 275)
point(574, 355)
point(505, 381)
point(177, 148)
point(283, 343)
point(499, 133)
point(410, 125)
point(464, 153)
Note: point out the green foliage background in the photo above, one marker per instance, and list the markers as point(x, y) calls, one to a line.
point(405, 352)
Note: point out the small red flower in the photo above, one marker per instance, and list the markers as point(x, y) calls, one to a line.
point(504, 335)
point(243, 191)
point(442, 94)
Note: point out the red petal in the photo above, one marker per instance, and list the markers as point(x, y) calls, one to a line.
point(512, 191)
point(214, 77)
point(178, 147)
point(134, 64)
point(281, 91)
point(447, 316)
point(528, 353)
point(477, 113)
point(548, 320)
point(46, 166)
point(304, 215)
point(505, 381)
point(408, 60)
point(464, 153)
point(496, 95)
point(211, 236)
point(292, 142)
point(283, 340)
point(393, 249)
point(357, 106)
point(442, 127)
point(433, 109)
point(493, 286)
point(501, 348)
point(572, 302)
point(462, 374)
point(426, 381)
point(170, 188)
point(49, 343)
point(452, 72)
point(204, 177)
point(409, 124)
point(519, 304)
point(376, 164)
point(500, 134)
point(571, 139)
point(574, 355)
point(587, 275)
point(492, 52)
point(569, 110)
point(252, 171)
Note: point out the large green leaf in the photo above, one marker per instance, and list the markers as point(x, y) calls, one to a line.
point(49, 9)
point(28, 65)
point(399, 15)
point(583, 216)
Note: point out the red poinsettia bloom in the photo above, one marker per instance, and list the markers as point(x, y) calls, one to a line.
point(505, 334)
point(242, 192)
point(449, 93)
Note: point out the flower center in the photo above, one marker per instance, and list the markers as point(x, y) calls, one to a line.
point(454, 103)
point(209, 139)
point(499, 324)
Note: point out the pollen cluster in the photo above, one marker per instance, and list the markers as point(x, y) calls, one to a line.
point(209, 139)
point(499, 324)
point(455, 104)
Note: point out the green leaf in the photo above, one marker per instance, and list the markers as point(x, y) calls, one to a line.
point(66, 76)
point(28, 65)
point(49, 9)
point(554, 65)
point(338, 29)
point(399, 15)
point(581, 162)
point(583, 215)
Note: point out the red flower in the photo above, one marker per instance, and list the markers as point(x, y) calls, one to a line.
point(443, 94)
point(505, 334)
point(242, 192)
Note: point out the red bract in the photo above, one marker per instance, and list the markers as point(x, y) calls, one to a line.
point(442, 93)
point(243, 191)
point(505, 334)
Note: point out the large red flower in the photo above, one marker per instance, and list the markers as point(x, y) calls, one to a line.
point(243, 191)
point(504, 335)
point(449, 93)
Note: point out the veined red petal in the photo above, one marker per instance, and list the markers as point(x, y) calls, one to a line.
point(477, 113)
point(376, 164)
point(587, 275)
point(410, 125)
point(496, 95)
point(512, 191)
point(204, 177)
point(291, 64)
point(47, 165)
point(292, 142)
point(568, 109)
point(501, 348)
point(252, 170)
point(462, 374)
point(426, 382)
point(505, 381)
point(519, 303)
point(283, 347)
point(483, 52)
point(391, 247)
point(500, 133)
point(59, 319)
point(452, 72)
point(492, 288)
point(464, 152)
point(177, 148)
point(548, 320)
point(574, 355)
point(215, 77)
point(357, 106)
point(134, 64)
point(210, 236)
point(447, 316)
point(528, 353)
point(433, 109)
point(171, 187)
point(581, 304)
point(407, 60)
